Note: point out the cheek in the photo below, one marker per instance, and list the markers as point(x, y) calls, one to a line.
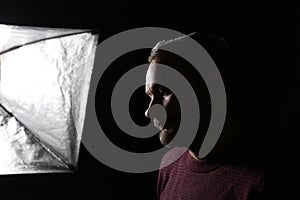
point(167, 101)
point(171, 104)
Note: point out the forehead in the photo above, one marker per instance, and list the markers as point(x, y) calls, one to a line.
point(152, 72)
point(151, 77)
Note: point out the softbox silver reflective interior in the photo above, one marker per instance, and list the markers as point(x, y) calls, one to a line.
point(44, 83)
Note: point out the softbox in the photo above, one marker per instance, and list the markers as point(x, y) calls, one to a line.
point(44, 83)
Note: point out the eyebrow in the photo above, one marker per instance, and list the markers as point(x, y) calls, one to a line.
point(149, 90)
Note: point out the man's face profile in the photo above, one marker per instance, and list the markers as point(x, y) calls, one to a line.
point(164, 97)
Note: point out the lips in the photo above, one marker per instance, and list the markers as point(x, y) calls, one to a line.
point(157, 124)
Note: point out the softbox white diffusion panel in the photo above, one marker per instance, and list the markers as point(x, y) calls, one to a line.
point(44, 83)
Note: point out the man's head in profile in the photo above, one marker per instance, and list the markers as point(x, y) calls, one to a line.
point(163, 96)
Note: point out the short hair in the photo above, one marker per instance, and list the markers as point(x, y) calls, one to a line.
point(156, 53)
point(219, 47)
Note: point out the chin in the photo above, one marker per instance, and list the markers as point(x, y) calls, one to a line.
point(166, 136)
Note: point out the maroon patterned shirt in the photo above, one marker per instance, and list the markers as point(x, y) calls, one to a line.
point(208, 179)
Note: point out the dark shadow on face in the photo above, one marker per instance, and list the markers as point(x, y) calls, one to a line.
point(161, 95)
point(170, 102)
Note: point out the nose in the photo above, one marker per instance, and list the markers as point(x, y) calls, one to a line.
point(150, 104)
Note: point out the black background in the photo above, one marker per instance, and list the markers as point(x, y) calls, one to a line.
point(263, 63)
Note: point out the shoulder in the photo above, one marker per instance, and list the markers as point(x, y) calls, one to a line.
point(248, 177)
